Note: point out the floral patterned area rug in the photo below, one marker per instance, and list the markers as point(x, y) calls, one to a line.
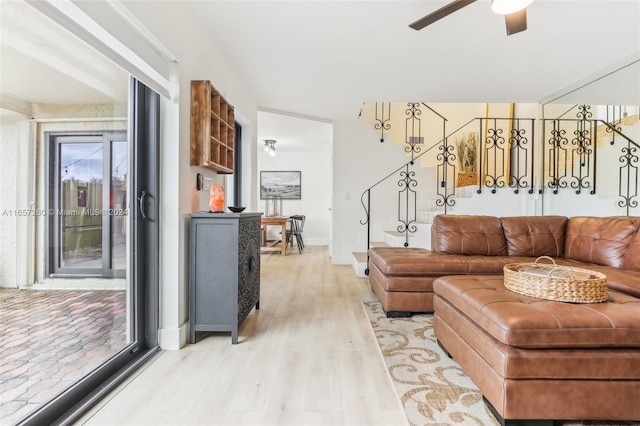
point(433, 388)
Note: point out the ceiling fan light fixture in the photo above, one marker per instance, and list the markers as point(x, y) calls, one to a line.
point(507, 7)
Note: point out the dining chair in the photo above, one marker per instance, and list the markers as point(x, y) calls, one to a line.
point(297, 225)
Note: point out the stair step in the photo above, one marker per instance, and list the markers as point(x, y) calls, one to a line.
point(378, 244)
point(394, 238)
point(395, 233)
point(360, 256)
point(359, 264)
point(420, 239)
point(426, 216)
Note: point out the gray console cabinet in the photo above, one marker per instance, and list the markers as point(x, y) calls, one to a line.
point(224, 271)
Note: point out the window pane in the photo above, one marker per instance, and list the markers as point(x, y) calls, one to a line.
point(80, 187)
point(118, 204)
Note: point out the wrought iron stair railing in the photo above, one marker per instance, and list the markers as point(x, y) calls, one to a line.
point(571, 162)
point(628, 171)
point(506, 161)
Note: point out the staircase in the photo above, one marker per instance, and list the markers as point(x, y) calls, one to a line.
point(421, 238)
point(522, 173)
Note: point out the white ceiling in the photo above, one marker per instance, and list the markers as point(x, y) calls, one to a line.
point(325, 58)
point(294, 133)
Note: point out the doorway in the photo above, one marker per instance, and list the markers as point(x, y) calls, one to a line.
point(88, 192)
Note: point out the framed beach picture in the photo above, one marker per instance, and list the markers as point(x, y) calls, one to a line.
point(280, 184)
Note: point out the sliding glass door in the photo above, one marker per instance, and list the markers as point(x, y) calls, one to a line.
point(79, 219)
point(88, 191)
point(103, 190)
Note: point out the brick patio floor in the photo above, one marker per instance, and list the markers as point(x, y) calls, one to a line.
point(50, 339)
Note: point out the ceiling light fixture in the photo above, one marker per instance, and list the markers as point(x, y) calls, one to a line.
point(270, 147)
point(507, 7)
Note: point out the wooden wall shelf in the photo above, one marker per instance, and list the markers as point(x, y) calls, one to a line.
point(212, 128)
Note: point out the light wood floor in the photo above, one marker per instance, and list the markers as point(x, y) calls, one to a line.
point(307, 357)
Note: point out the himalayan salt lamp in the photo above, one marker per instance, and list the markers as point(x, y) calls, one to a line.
point(216, 199)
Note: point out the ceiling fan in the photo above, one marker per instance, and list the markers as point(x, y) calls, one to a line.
point(514, 11)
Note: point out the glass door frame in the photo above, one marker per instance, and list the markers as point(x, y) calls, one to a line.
point(143, 297)
point(53, 182)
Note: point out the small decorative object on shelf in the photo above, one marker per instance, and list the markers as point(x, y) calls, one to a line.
point(236, 209)
point(216, 199)
point(466, 179)
point(467, 148)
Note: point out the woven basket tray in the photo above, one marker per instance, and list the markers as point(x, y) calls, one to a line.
point(556, 282)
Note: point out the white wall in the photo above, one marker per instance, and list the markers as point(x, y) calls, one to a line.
point(315, 168)
point(359, 160)
point(8, 200)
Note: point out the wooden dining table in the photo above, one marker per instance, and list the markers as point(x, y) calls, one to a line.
point(281, 221)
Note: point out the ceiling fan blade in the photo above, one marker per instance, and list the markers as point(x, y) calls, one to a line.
point(516, 22)
point(440, 13)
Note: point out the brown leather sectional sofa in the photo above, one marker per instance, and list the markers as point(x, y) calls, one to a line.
point(534, 360)
point(402, 278)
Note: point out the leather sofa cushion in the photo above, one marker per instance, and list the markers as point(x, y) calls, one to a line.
point(535, 235)
point(599, 240)
point(469, 235)
point(405, 261)
point(411, 261)
point(625, 281)
point(632, 257)
point(528, 322)
point(401, 283)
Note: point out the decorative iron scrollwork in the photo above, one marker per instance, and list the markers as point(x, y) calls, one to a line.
point(612, 121)
point(494, 148)
point(557, 151)
point(446, 168)
point(365, 206)
point(581, 154)
point(628, 180)
point(584, 112)
point(407, 201)
point(520, 156)
point(382, 119)
point(413, 128)
point(574, 163)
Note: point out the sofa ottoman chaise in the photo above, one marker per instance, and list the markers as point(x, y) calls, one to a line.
point(536, 359)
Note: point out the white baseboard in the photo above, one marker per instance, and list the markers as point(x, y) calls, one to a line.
point(173, 339)
point(315, 241)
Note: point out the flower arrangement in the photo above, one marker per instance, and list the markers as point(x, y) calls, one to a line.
point(467, 147)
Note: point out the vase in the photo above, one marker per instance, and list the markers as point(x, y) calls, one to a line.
point(273, 205)
point(216, 199)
